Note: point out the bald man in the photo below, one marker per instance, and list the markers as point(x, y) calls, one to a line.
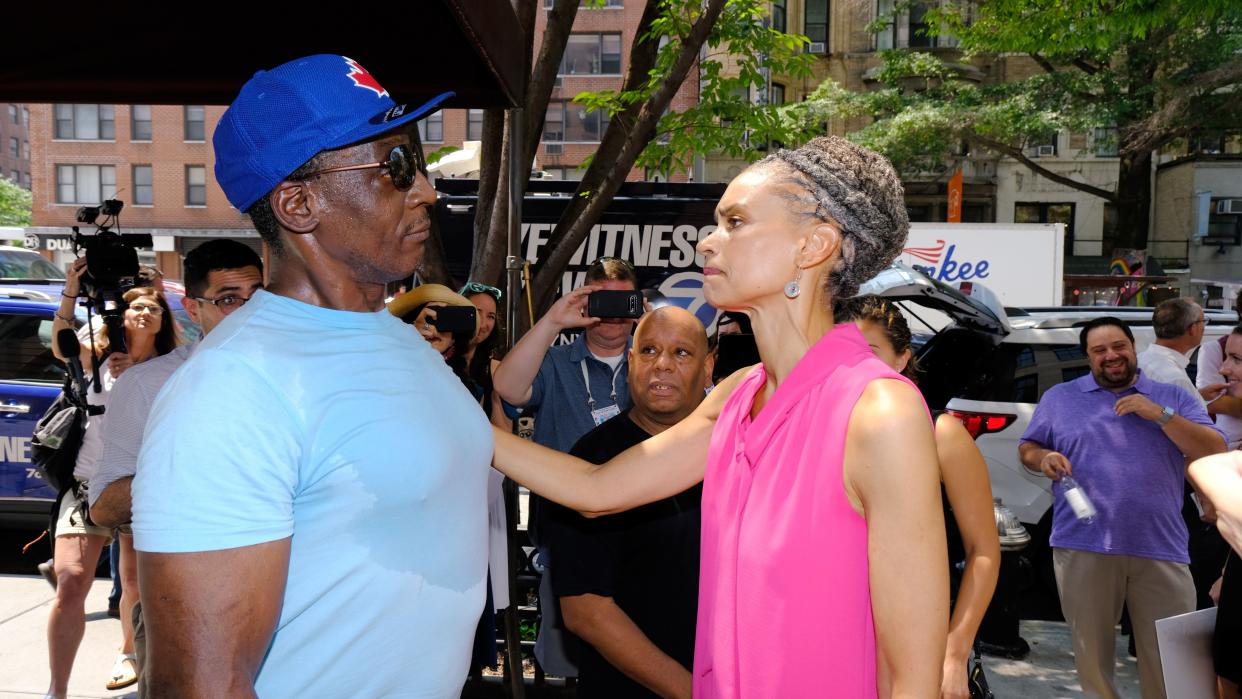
point(628, 583)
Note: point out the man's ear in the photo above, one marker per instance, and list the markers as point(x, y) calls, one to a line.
point(709, 368)
point(294, 207)
point(192, 308)
point(823, 243)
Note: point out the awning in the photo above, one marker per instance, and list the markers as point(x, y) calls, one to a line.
point(143, 53)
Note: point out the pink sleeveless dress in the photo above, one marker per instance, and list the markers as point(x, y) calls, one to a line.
point(784, 603)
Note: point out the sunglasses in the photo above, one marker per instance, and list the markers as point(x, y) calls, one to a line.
point(403, 165)
point(477, 288)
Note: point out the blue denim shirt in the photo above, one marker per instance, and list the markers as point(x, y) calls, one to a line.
point(559, 396)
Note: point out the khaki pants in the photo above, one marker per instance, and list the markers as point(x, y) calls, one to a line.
point(1093, 588)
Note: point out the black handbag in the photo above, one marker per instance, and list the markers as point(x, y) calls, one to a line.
point(977, 681)
point(57, 439)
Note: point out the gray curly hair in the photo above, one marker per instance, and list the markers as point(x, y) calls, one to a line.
point(859, 190)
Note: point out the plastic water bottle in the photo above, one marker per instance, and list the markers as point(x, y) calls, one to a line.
point(1078, 500)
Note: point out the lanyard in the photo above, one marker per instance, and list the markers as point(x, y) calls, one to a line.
point(586, 379)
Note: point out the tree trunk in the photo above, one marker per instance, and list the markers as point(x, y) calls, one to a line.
point(623, 142)
point(1133, 200)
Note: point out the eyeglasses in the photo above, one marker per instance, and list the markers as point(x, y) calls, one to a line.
point(477, 288)
point(226, 304)
point(403, 165)
point(153, 309)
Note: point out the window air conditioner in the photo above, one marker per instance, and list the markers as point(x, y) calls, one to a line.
point(1229, 206)
point(1046, 151)
point(817, 47)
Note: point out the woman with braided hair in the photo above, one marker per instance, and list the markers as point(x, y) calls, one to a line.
point(823, 571)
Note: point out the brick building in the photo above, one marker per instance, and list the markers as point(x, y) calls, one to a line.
point(15, 143)
point(157, 159)
point(596, 58)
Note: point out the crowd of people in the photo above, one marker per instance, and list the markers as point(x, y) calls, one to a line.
point(309, 498)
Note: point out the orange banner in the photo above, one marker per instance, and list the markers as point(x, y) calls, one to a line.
point(955, 198)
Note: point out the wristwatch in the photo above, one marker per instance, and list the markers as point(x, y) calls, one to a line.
point(1166, 415)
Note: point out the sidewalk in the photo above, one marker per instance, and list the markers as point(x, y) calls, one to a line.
point(1048, 673)
point(24, 604)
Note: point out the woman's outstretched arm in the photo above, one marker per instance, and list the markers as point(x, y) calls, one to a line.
point(663, 465)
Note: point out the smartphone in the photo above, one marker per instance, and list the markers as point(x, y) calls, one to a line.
point(615, 304)
point(454, 319)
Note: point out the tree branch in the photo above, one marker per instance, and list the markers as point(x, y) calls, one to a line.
point(1043, 63)
point(1017, 154)
point(605, 176)
point(1142, 135)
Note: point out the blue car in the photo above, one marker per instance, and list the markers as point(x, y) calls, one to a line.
point(30, 379)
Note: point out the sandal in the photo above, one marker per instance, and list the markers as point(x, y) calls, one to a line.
point(124, 672)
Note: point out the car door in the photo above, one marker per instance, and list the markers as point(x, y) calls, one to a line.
point(30, 379)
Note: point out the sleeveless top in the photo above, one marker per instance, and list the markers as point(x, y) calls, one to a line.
point(784, 600)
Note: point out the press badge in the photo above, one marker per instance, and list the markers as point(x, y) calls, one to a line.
point(603, 414)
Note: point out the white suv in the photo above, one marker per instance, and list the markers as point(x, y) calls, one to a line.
point(989, 365)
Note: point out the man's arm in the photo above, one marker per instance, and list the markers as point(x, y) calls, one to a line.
point(513, 377)
point(210, 617)
point(1049, 463)
point(1193, 439)
point(599, 621)
point(113, 507)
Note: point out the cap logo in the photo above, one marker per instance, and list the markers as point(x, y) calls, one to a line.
point(364, 79)
point(394, 113)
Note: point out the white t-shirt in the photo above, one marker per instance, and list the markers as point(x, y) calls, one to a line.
point(1159, 363)
point(92, 437)
point(1210, 357)
point(612, 362)
point(347, 432)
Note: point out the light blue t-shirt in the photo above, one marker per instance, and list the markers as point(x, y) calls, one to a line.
point(349, 433)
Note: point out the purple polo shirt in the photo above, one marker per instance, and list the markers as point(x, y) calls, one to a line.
point(1132, 472)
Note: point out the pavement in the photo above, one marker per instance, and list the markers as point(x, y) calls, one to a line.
point(1047, 673)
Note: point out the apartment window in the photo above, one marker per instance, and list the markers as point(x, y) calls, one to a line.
point(26, 150)
point(195, 185)
point(140, 122)
point(26, 180)
point(85, 184)
point(15, 147)
point(572, 123)
point(85, 122)
point(919, 27)
point(816, 23)
point(474, 125)
point(144, 194)
point(1209, 143)
point(1045, 212)
point(25, 117)
point(14, 176)
point(1044, 145)
point(195, 123)
point(13, 113)
point(778, 15)
point(777, 94)
point(431, 129)
point(1104, 141)
point(592, 54)
point(1223, 228)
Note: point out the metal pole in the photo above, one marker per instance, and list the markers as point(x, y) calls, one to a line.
point(513, 290)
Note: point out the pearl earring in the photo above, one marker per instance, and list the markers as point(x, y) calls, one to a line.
point(792, 289)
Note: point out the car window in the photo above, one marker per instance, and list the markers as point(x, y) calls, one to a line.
point(26, 350)
point(22, 264)
point(1035, 369)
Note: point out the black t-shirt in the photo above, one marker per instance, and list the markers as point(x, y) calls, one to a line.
point(646, 559)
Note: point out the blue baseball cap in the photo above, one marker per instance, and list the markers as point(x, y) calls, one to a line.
point(285, 116)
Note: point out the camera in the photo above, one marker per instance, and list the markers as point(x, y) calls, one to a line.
point(111, 264)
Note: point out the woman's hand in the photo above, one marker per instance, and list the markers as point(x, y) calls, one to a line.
point(424, 326)
point(953, 685)
point(73, 278)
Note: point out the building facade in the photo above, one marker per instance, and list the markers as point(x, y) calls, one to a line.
point(15, 143)
point(157, 159)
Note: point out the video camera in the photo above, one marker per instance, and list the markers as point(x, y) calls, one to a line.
point(111, 265)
